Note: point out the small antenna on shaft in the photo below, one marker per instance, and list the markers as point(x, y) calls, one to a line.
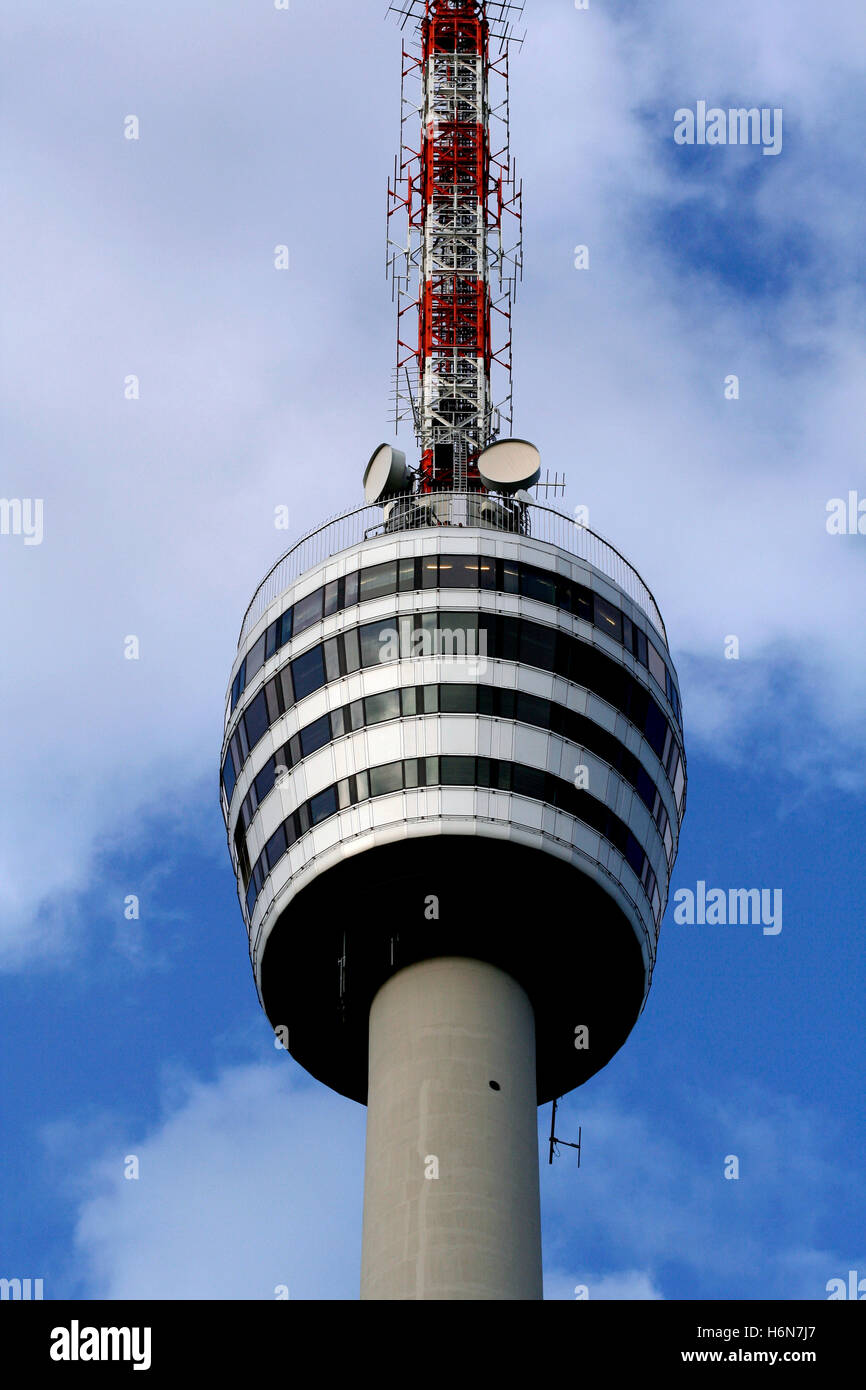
point(554, 1141)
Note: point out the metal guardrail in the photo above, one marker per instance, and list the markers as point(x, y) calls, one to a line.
point(457, 509)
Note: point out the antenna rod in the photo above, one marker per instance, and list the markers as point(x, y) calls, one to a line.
point(456, 191)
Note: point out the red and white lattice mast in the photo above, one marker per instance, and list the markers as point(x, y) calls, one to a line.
point(456, 269)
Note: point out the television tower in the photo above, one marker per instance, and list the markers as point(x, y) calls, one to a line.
point(453, 773)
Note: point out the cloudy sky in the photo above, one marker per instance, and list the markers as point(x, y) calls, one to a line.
point(153, 258)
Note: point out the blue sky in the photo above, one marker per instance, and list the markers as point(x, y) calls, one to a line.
point(259, 388)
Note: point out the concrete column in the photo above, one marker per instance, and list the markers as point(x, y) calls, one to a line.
point(451, 1196)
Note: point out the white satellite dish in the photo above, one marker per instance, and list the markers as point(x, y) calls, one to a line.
point(509, 466)
point(386, 474)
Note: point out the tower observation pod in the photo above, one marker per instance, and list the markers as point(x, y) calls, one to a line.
point(453, 773)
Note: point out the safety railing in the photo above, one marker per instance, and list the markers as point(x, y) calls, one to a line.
point(451, 509)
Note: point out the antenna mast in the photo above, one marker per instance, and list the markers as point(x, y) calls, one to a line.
point(456, 270)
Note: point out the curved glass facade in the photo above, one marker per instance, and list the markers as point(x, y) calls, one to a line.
point(460, 771)
point(459, 572)
point(411, 701)
point(497, 635)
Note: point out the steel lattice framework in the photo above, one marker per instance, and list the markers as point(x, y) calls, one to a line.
point(456, 269)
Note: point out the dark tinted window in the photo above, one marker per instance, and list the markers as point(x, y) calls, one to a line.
point(429, 571)
point(273, 701)
point(538, 646)
point(276, 846)
point(638, 705)
point(235, 750)
point(229, 779)
point(352, 649)
point(255, 659)
point(380, 642)
point(634, 854)
point(457, 772)
point(533, 710)
point(356, 714)
point(286, 627)
point(645, 786)
point(507, 639)
point(538, 584)
point(458, 699)
point(657, 666)
point(351, 588)
point(528, 781)
point(265, 780)
point(332, 659)
point(385, 706)
point(256, 719)
point(487, 572)
point(323, 805)
point(386, 779)
point(458, 571)
point(656, 726)
point(308, 611)
point(510, 577)
point(581, 601)
point(308, 672)
point(508, 704)
point(608, 618)
point(286, 686)
point(315, 736)
point(378, 580)
point(332, 597)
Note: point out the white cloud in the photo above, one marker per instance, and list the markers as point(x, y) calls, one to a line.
point(249, 1182)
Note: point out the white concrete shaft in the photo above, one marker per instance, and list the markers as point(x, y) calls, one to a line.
point(451, 1194)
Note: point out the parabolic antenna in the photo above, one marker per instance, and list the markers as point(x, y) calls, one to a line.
point(386, 474)
point(509, 466)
